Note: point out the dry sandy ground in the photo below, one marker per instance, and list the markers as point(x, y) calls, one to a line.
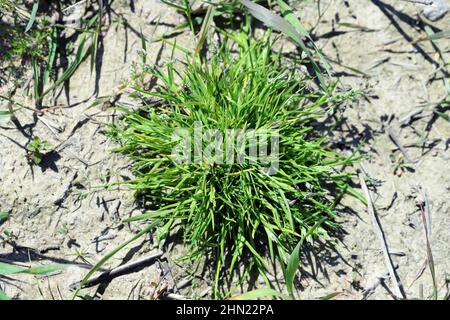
point(58, 210)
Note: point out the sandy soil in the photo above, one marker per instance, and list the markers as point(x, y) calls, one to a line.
point(60, 213)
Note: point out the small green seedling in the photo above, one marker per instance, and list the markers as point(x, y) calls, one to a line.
point(81, 254)
point(37, 149)
point(9, 237)
point(400, 165)
point(64, 229)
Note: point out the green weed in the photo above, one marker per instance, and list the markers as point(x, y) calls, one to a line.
point(37, 149)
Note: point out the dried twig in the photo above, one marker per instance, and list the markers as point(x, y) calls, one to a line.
point(419, 273)
point(380, 234)
point(426, 219)
point(119, 271)
point(424, 2)
point(399, 145)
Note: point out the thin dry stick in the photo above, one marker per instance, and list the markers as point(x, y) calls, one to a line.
point(424, 2)
point(380, 234)
point(419, 273)
point(399, 145)
point(119, 271)
point(426, 219)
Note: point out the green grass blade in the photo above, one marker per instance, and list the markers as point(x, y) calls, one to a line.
point(204, 30)
point(79, 57)
point(144, 47)
point(292, 268)
point(294, 260)
point(174, 5)
point(276, 22)
point(36, 75)
point(6, 268)
point(292, 18)
point(51, 57)
point(38, 270)
point(95, 38)
point(330, 296)
point(32, 16)
point(443, 115)
point(271, 19)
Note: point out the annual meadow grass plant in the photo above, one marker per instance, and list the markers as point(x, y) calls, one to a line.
point(244, 201)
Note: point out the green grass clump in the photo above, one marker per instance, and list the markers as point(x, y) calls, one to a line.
point(232, 211)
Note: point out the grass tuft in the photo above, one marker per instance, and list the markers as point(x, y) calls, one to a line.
point(229, 211)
